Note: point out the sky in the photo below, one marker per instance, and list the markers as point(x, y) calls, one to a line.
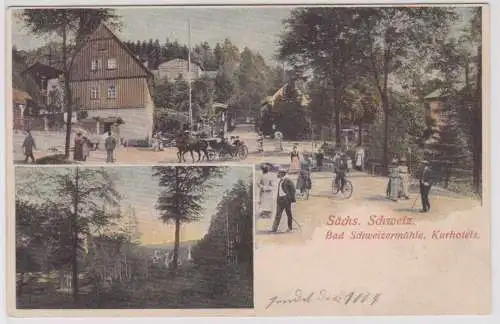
point(140, 190)
point(257, 28)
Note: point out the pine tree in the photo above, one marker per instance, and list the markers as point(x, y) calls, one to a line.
point(183, 195)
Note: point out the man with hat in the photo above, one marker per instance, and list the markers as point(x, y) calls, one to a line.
point(425, 180)
point(285, 198)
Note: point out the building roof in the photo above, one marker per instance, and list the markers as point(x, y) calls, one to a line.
point(41, 69)
point(442, 92)
point(122, 45)
point(211, 74)
point(438, 93)
point(193, 62)
point(19, 96)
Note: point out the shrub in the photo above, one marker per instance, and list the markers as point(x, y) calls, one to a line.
point(53, 159)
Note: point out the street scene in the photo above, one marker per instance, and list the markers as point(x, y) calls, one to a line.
point(134, 237)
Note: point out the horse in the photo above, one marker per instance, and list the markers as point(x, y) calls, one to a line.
point(187, 143)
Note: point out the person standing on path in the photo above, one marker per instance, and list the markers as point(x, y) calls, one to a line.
point(279, 136)
point(360, 158)
point(394, 183)
point(28, 146)
point(110, 145)
point(285, 198)
point(85, 148)
point(79, 142)
point(320, 155)
point(425, 185)
point(266, 186)
point(404, 178)
point(295, 159)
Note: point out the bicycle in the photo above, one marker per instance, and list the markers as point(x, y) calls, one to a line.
point(348, 188)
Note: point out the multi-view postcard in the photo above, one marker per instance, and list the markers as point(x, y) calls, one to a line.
point(248, 161)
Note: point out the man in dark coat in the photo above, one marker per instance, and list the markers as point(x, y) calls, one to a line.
point(110, 145)
point(425, 180)
point(28, 146)
point(284, 200)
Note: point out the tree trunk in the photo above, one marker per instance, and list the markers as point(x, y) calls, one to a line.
point(177, 243)
point(21, 285)
point(477, 124)
point(177, 227)
point(67, 90)
point(385, 103)
point(338, 112)
point(74, 241)
point(360, 133)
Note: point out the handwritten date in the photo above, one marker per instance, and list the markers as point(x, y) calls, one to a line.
point(323, 295)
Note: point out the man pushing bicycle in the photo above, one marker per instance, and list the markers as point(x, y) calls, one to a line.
point(340, 169)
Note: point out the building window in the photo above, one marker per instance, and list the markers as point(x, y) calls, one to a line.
point(112, 92)
point(94, 93)
point(96, 65)
point(111, 63)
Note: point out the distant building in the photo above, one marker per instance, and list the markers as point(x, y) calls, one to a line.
point(47, 79)
point(110, 83)
point(436, 115)
point(20, 101)
point(179, 68)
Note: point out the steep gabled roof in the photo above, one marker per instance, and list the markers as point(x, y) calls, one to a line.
point(122, 45)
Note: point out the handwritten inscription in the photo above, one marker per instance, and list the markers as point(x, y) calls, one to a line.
point(380, 222)
point(344, 298)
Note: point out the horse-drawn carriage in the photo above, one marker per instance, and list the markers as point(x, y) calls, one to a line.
point(214, 148)
point(221, 148)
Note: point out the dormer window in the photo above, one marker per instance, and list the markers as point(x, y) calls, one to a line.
point(96, 65)
point(112, 64)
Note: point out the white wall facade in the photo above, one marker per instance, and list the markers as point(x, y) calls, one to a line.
point(138, 122)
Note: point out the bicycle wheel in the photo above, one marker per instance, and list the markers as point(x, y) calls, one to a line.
point(335, 187)
point(242, 152)
point(348, 189)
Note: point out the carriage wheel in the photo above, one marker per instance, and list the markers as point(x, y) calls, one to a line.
point(243, 152)
point(222, 155)
point(348, 189)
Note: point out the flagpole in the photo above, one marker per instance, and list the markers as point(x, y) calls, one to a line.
point(189, 77)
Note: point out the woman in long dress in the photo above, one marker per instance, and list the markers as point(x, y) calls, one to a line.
point(85, 148)
point(295, 159)
point(394, 182)
point(404, 178)
point(360, 158)
point(266, 186)
point(78, 154)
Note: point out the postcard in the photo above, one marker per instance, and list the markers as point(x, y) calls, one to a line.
point(271, 160)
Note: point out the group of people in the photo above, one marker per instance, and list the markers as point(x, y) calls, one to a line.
point(399, 181)
point(83, 146)
point(276, 193)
